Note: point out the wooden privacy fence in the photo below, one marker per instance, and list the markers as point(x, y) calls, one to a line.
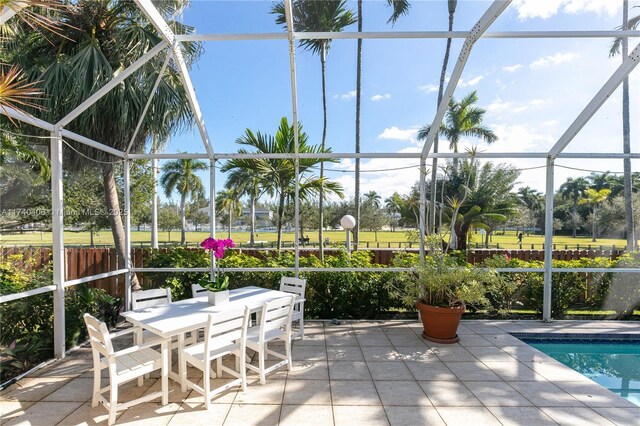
point(476, 257)
point(83, 262)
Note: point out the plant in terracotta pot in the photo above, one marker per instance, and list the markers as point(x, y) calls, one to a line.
point(441, 289)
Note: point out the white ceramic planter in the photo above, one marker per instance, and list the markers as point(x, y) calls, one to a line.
point(218, 297)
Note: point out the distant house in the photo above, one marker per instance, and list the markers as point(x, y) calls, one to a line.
point(261, 214)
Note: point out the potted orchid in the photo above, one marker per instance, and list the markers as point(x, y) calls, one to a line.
point(217, 284)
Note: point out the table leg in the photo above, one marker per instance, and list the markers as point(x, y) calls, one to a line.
point(182, 366)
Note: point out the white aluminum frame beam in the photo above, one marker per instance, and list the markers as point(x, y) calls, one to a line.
point(162, 27)
point(36, 122)
point(598, 100)
point(150, 54)
point(148, 104)
point(350, 35)
point(387, 155)
point(8, 13)
point(496, 8)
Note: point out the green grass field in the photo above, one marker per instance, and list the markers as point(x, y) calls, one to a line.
point(382, 239)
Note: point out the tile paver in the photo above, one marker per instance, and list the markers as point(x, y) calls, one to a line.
point(358, 373)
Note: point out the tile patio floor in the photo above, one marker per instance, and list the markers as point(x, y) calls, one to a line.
point(361, 373)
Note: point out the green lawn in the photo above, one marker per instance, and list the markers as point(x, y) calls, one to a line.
point(383, 239)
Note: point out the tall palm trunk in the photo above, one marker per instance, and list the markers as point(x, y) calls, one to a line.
point(280, 216)
point(230, 222)
point(252, 212)
point(323, 54)
point(356, 230)
point(626, 137)
point(434, 166)
point(183, 219)
point(117, 229)
point(593, 225)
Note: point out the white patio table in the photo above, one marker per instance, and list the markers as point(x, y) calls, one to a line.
point(177, 318)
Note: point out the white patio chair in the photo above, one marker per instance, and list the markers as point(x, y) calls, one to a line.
point(147, 298)
point(155, 297)
point(197, 290)
point(225, 334)
point(275, 324)
point(296, 286)
point(124, 365)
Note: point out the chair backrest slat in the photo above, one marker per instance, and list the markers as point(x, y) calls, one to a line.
point(197, 290)
point(148, 298)
point(98, 335)
point(276, 314)
point(293, 285)
point(225, 328)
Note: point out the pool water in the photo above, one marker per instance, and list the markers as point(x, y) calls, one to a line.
point(613, 365)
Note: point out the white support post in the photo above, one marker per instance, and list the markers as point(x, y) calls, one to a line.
point(598, 100)
point(154, 201)
point(548, 243)
point(423, 205)
point(127, 233)
point(496, 8)
point(57, 227)
point(150, 54)
point(294, 108)
point(162, 27)
point(212, 212)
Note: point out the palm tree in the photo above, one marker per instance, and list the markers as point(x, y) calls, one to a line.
point(462, 119)
point(399, 8)
point(229, 200)
point(279, 174)
point(532, 200)
point(393, 205)
point(180, 175)
point(16, 91)
point(12, 148)
point(452, 5)
point(620, 45)
point(475, 195)
point(572, 190)
point(85, 57)
point(594, 197)
point(372, 198)
point(320, 16)
point(247, 182)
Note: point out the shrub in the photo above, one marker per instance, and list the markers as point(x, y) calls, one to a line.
point(624, 291)
point(27, 324)
point(178, 257)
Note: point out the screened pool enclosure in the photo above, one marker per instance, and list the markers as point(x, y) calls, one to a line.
point(169, 47)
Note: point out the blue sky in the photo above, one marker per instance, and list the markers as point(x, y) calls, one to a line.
point(532, 89)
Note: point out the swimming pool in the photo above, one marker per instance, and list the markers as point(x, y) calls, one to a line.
point(614, 364)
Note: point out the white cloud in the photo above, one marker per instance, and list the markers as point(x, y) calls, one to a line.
point(558, 58)
point(530, 9)
point(376, 174)
point(377, 98)
point(520, 138)
point(512, 68)
point(396, 133)
point(471, 82)
point(498, 106)
point(428, 88)
point(345, 96)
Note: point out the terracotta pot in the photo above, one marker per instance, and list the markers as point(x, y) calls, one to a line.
point(440, 324)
